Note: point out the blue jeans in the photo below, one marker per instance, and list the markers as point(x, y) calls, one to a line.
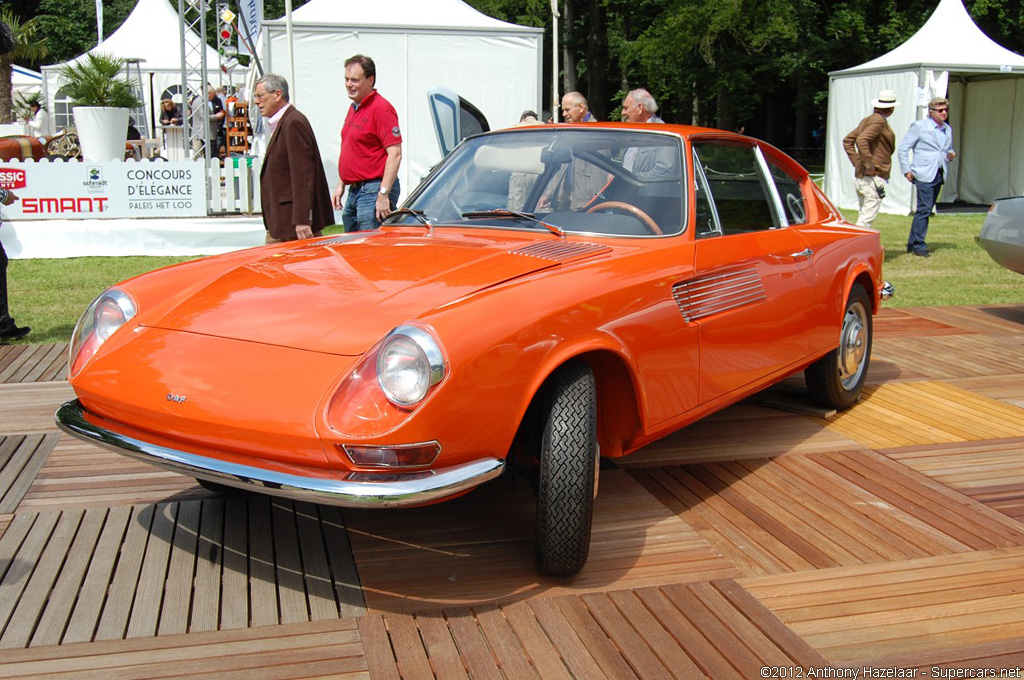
point(360, 213)
point(927, 192)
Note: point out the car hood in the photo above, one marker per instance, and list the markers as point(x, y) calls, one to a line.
point(340, 295)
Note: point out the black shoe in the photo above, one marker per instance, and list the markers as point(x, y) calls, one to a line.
point(922, 253)
point(13, 332)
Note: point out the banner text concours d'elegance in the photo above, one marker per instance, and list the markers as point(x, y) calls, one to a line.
point(72, 190)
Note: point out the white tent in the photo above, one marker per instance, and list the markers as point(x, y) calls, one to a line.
point(150, 33)
point(416, 45)
point(948, 57)
point(25, 82)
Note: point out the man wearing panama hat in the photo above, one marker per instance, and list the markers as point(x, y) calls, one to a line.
point(870, 146)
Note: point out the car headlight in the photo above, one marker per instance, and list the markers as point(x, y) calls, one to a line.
point(409, 363)
point(111, 310)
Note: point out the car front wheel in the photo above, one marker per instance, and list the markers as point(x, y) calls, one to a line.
point(836, 379)
point(568, 471)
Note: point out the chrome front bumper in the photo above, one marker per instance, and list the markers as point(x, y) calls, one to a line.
point(370, 490)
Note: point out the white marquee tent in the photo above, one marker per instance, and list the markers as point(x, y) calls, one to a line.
point(948, 57)
point(150, 33)
point(416, 45)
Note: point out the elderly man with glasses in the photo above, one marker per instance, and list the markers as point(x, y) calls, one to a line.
point(931, 140)
point(295, 197)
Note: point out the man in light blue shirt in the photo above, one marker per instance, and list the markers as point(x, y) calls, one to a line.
point(931, 140)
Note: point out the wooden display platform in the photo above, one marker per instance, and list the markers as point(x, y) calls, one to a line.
point(887, 536)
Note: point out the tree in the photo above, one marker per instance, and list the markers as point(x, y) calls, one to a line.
point(25, 47)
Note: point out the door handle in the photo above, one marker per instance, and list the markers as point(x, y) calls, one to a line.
point(803, 254)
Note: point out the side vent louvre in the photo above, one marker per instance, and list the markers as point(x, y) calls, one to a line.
point(719, 293)
point(560, 251)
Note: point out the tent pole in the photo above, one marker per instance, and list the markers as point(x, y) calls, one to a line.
point(554, 60)
point(291, 49)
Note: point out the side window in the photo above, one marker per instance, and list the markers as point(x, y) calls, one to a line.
point(739, 195)
point(790, 193)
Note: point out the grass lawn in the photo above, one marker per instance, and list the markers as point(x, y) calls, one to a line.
point(49, 295)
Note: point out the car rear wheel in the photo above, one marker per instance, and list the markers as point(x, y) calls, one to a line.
point(836, 379)
point(568, 471)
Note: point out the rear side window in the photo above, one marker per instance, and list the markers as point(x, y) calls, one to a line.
point(790, 193)
point(742, 200)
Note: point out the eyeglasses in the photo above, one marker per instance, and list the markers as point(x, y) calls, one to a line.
point(260, 97)
point(941, 110)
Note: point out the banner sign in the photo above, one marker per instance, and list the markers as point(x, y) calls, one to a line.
point(250, 15)
point(73, 190)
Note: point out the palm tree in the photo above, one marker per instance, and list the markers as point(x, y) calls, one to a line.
point(25, 47)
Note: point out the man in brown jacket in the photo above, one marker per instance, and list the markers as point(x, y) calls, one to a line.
point(295, 197)
point(870, 146)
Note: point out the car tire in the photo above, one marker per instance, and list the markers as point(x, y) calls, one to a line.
point(836, 379)
point(567, 481)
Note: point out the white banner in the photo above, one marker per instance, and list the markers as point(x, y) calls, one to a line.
point(250, 14)
point(74, 190)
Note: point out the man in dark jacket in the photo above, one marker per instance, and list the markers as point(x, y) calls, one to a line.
point(295, 197)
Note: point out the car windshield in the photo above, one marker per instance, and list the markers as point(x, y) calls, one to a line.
point(599, 181)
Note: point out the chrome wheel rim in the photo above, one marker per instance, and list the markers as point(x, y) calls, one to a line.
point(853, 346)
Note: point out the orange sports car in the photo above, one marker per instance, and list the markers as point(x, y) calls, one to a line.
point(547, 296)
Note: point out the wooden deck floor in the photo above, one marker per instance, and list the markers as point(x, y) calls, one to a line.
point(889, 536)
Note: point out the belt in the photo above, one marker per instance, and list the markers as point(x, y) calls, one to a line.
point(356, 185)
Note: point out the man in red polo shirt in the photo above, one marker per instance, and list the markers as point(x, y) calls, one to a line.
point(371, 151)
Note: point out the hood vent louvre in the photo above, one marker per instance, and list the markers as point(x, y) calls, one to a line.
point(560, 251)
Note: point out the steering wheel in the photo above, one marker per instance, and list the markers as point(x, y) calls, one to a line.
point(636, 212)
point(796, 207)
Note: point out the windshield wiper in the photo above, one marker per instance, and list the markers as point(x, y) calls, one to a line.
point(557, 231)
point(418, 214)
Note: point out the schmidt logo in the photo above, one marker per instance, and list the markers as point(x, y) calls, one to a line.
point(94, 179)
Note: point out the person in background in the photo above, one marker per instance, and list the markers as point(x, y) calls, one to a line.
point(371, 151)
point(870, 146)
point(217, 116)
point(640, 107)
point(528, 117)
point(931, 140)
point(8, 329)
point(295, 197)
point(170, 114)
point(575, 108)
point(38, 121)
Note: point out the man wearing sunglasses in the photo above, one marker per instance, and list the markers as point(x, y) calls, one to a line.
point(931, 140)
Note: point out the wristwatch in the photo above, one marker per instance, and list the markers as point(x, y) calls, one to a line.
point(382, 191)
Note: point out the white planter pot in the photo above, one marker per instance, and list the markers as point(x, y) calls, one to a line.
point(102, 132)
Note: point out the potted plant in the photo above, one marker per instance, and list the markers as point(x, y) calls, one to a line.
point(101, 99)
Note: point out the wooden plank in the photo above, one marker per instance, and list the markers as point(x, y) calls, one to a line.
point(206, 600)
point(543, 653)
point(121, 596)
point(262, 578)
point(410, 657)
point(88, 608)
point(574, 653)
point(641, 658)
point(348, 591)
point(473, 647)
point(57, 612)
point(445, 660)
point(21, 468)
point(691, 637)
point(149, 593)
point(179, 583)
point(22, 622)
point(235, 577)
point(315, 565)
point(23, 564)
point(380, 657)
point(291, 589)
point(512, 657)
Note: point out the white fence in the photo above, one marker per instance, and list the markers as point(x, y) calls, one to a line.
point(235, 187)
